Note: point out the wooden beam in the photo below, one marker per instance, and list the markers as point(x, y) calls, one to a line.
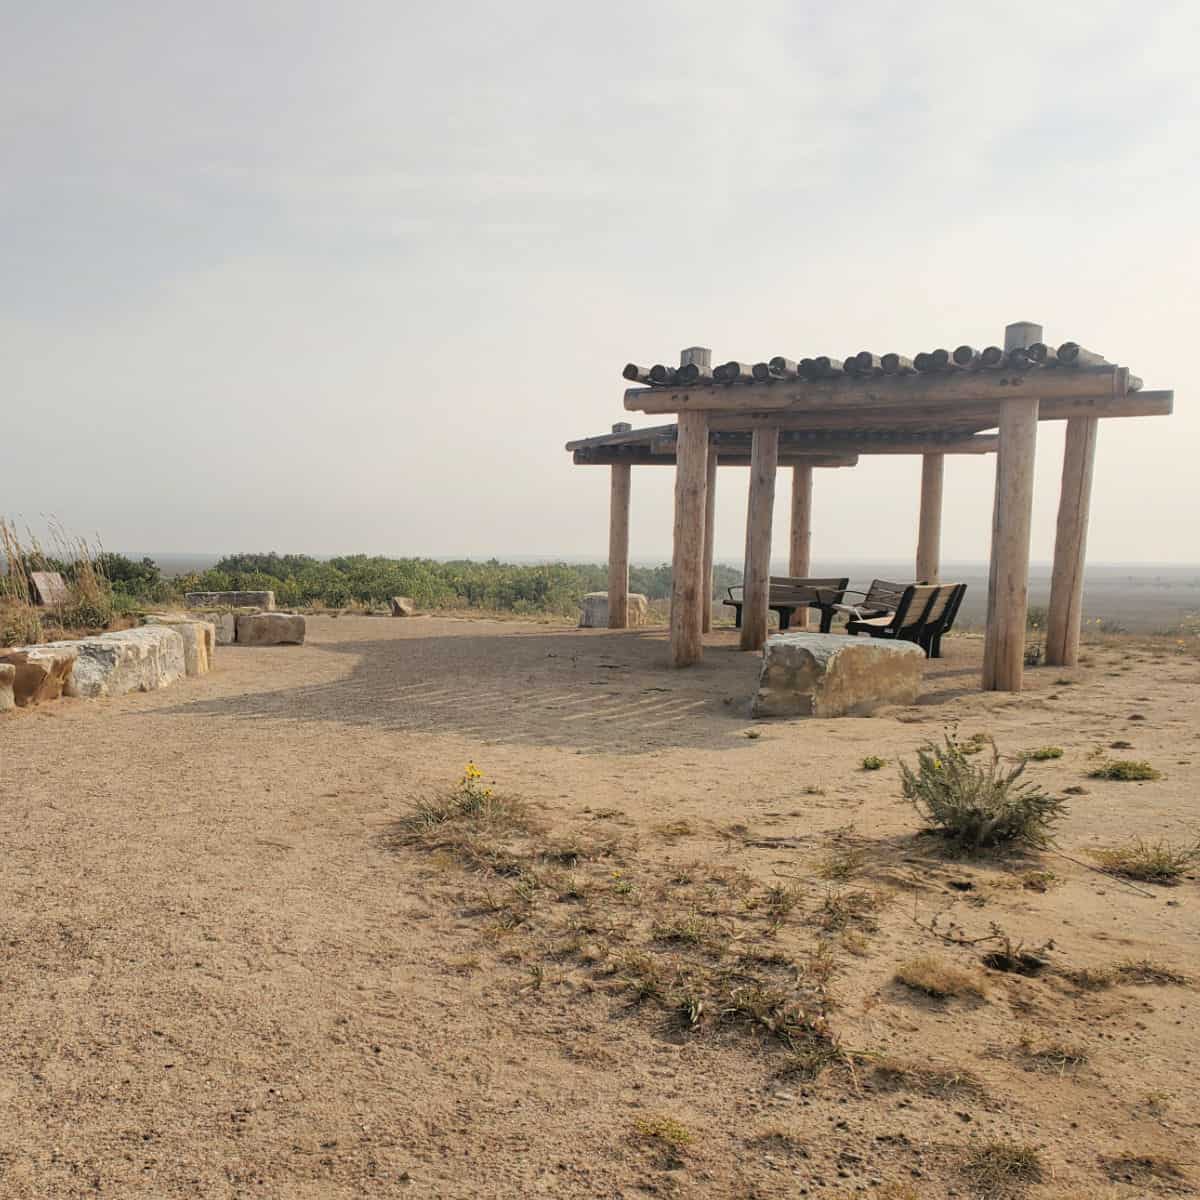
point(618, 547)
point(642, 457)
point(1008, 581)
point(760, 508)
point(1070, 543)
point(801, 442)
point(800, 533)
point(952, 390)
point(929, 530)
point(691, 479)
point(710, 513)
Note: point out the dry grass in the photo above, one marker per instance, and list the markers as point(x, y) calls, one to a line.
point(937, 1083)
point(663, 1129)
point(940, 979)
point(1051, 1057)
point(1151, 862)
point(1139, 972)
point(1003, 1168)
point(1143, 1168)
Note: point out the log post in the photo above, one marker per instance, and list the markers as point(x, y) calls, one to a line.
point(710, 512)
point(764, 459)
point(618, 540)
point(800, 533)
point(1012, 515)
point(1070, 543)
point(691, 504)
point(929, 535)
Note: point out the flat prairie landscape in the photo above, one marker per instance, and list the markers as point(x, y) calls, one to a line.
point(254, 943)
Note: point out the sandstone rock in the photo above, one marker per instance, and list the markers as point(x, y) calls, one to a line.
point(41, 672)
point(8, 676)
point(269, 629)
point(594, 611)
point(230, 600)
point(402, 606)
point(130, 660)
point(831, 675)
point(199, 640)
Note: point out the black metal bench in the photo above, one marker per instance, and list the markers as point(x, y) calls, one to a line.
point(924, 614)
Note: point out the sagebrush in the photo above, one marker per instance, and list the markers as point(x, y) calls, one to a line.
point(979, 803)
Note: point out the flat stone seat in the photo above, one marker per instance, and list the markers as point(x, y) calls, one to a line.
point(264, 600)
point(593, 612)
point(8, 677)
point(831, 675)
point(126, 660)
point(199, 639)
point(270, 629)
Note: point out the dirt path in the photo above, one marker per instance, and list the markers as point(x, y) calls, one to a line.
point(218, 978)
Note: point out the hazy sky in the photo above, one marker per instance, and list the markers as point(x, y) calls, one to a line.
point(340, 277)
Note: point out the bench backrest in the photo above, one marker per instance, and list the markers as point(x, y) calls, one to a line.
point(786, 589)
point(884, 594)
point(948, 610)
point(915, 603)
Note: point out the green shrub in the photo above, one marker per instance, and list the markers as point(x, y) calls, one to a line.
point(978, 804)
point(1042, 753)
point(873, 763)
point(1124, 769)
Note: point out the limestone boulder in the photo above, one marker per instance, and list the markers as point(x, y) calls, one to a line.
point(40, 672)
point(402, 606)
point(199, 640)
point(593, 613)
point(831, 675)
point(130, 660)
point(8, 676)
point(264, 600)
point(224, 624)
point(270, 629)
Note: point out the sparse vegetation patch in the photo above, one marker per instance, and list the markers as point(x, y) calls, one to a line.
point(978, 804)
point(940, 979)
point(1124, 770)
point(1151, 862)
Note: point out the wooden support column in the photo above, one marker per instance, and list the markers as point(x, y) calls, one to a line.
point(618, 540)
point(1008, 577)
point(929, 536)
point(1070, 543)
point(800, 533)
point(710, 512)
point(764, 459)
point(691, 487)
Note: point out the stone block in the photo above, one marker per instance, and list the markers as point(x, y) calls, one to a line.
point(402, 606)
point(130, 660)
point(199, 640)
point(41, 672)
point(593, 613)
point(50, 588)
point(8, 676)
point(224, 623)
point(264, 600)
point(270, 629)
point(831, 675)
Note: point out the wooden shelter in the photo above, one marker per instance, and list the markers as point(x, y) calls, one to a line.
point(825, 412)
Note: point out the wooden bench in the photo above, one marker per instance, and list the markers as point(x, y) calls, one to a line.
point(786, 594)
point(882, 597)
point(925, 612)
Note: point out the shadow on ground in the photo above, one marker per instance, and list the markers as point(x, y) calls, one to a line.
point(592, 692)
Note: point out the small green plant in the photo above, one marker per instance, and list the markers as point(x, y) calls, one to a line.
point(659, 1128)
point(873, 763)
point(1151, 862)
point(1124, 770)
point(1042, 753)
point(978, 805)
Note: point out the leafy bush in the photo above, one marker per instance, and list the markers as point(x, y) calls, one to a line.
point(1042, 753)
point(980, 804)
point(873, 762)
point(1125, 770)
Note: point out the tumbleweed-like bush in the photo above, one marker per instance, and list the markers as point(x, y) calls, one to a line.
point(980, 802)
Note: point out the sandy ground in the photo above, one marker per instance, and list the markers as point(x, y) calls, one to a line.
point(219, 976)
